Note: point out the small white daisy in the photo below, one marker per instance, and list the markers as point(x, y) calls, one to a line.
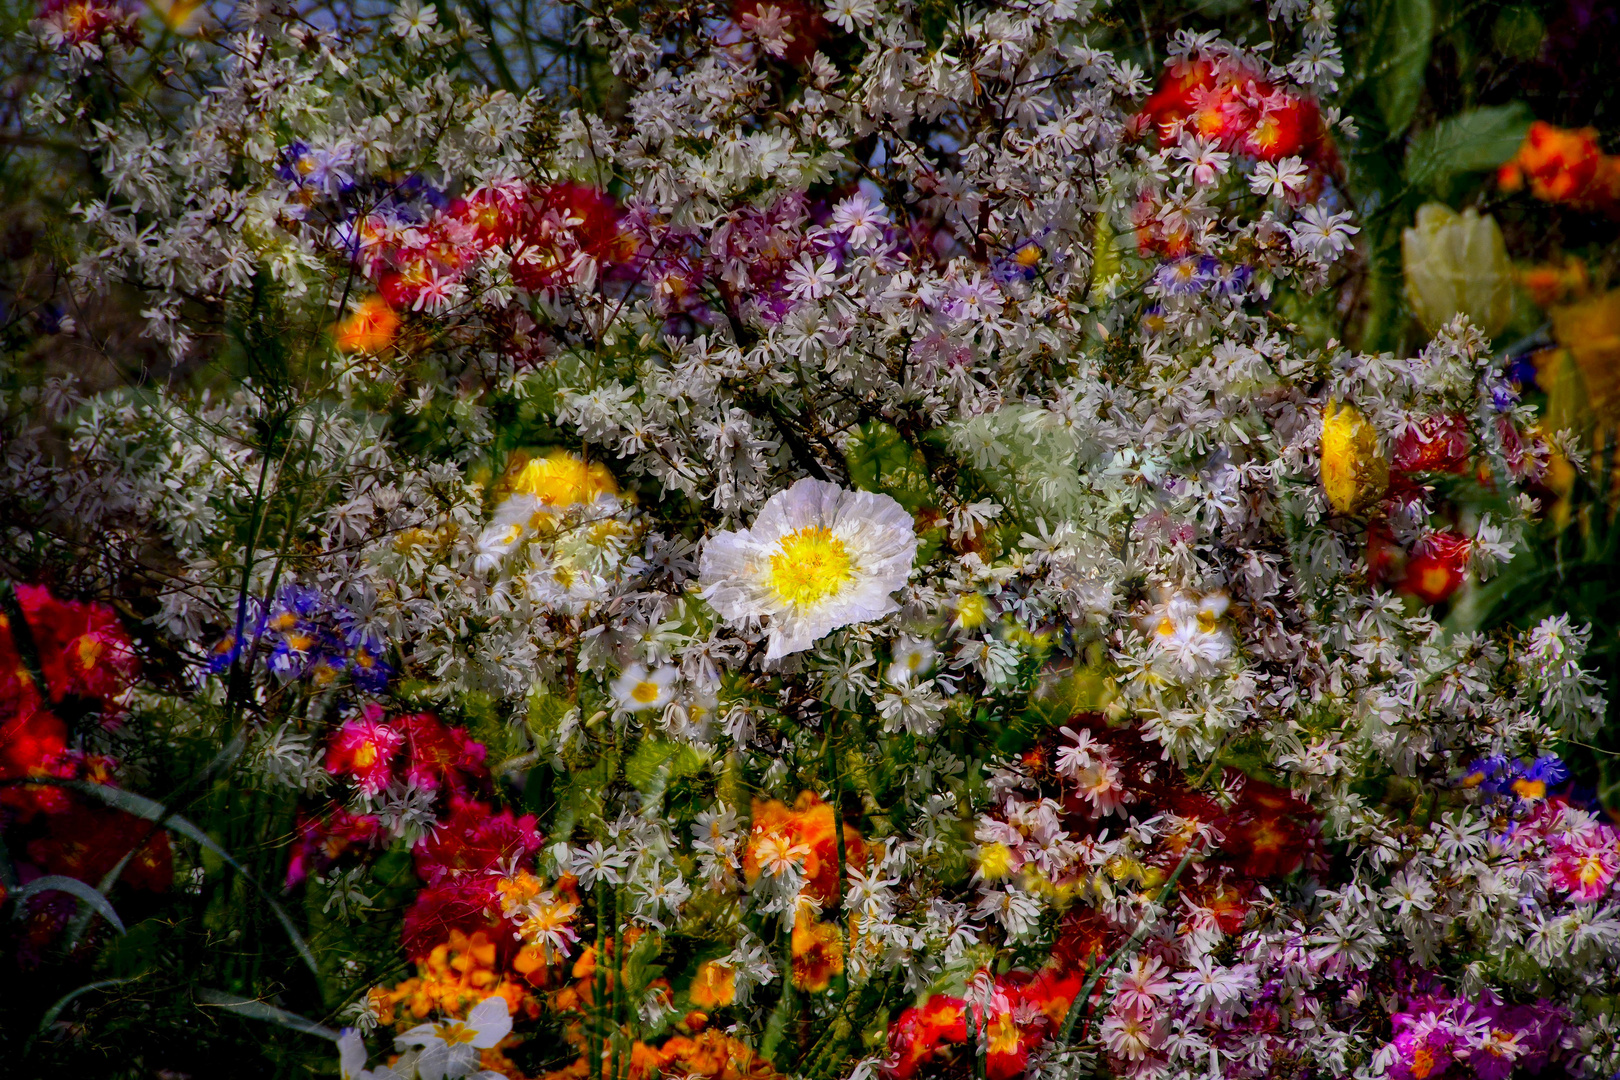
point(637, 689)
point(818, 557)
point(912, 660)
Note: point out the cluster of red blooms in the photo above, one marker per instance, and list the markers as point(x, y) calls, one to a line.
point(1242, 113)
point(88, 22)
point(461, 861)
point(1266, 832)
point(1564, 166)
point(1023, 1010)
point(1436, 565)
point(373, 752)
point(556, 235)
point(85, 663)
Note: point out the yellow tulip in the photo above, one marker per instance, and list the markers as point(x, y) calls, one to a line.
point(1457, 263)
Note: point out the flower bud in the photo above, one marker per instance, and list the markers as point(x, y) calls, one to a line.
point(1457, 263)
point(1354, 473)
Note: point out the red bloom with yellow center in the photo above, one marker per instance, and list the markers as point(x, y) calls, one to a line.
point(1437, 567)
point(364, 749)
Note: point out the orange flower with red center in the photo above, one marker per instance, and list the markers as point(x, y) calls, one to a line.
point(818, 952)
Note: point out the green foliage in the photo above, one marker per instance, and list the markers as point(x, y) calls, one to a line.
point(879, 459)
point(1476, 140)
point(1398, 49)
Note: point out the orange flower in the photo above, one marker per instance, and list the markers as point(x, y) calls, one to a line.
point(1551, 284)
point(714, 986)
point(818, 952)
point(457, 975)
point(370, 329)
point(1564, 166)
point(806, 833)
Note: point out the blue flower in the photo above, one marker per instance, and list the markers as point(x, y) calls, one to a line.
point(1184, 277)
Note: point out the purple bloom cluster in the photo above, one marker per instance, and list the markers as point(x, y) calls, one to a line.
point(1439, 1035)
point(305, 635)
point(1504, 776)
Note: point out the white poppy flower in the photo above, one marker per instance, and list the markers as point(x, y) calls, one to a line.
point(450, 1049)
point(818, 557)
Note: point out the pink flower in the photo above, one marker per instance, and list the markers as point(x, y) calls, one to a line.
point(1142, 987)
point(364, 749)
point(1585, 868)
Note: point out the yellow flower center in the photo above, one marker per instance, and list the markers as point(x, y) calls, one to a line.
point(995, 861)
point(366, 755)
point(645, 692)
point(1530, 789)
point(455, 1034)
point(811, 565)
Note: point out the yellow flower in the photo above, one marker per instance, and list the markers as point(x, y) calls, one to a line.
point(995, 861)
point(562, 479)
point(1354, 473)
point(1457, 263)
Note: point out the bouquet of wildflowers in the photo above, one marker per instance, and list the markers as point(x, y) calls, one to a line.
point(795, 540)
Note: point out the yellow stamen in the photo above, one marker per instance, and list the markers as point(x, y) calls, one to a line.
point(811, 565)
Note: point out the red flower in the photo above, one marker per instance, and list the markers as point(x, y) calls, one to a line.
point(918, 1032)
point(1434, 444)
point(474, 839)
point(1231, 104)
point(323, 840)
point(83, 650)
point(364, 749)
point(492, 213)
point(1437, 566)
point(1265, 831)
point(468, 903)
point(34, 744)
point(564, 226)
point(85, 842)
point(437, 754)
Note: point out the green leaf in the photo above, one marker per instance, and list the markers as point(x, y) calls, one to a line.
point(1471, 141)
point(880, 460)
point(647, 763)
point(67, 999)
point(75, 887)
point(259, 1010)
point(152, 810)
point(1403, 30)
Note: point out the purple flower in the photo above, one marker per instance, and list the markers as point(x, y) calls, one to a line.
point(1184, 277)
